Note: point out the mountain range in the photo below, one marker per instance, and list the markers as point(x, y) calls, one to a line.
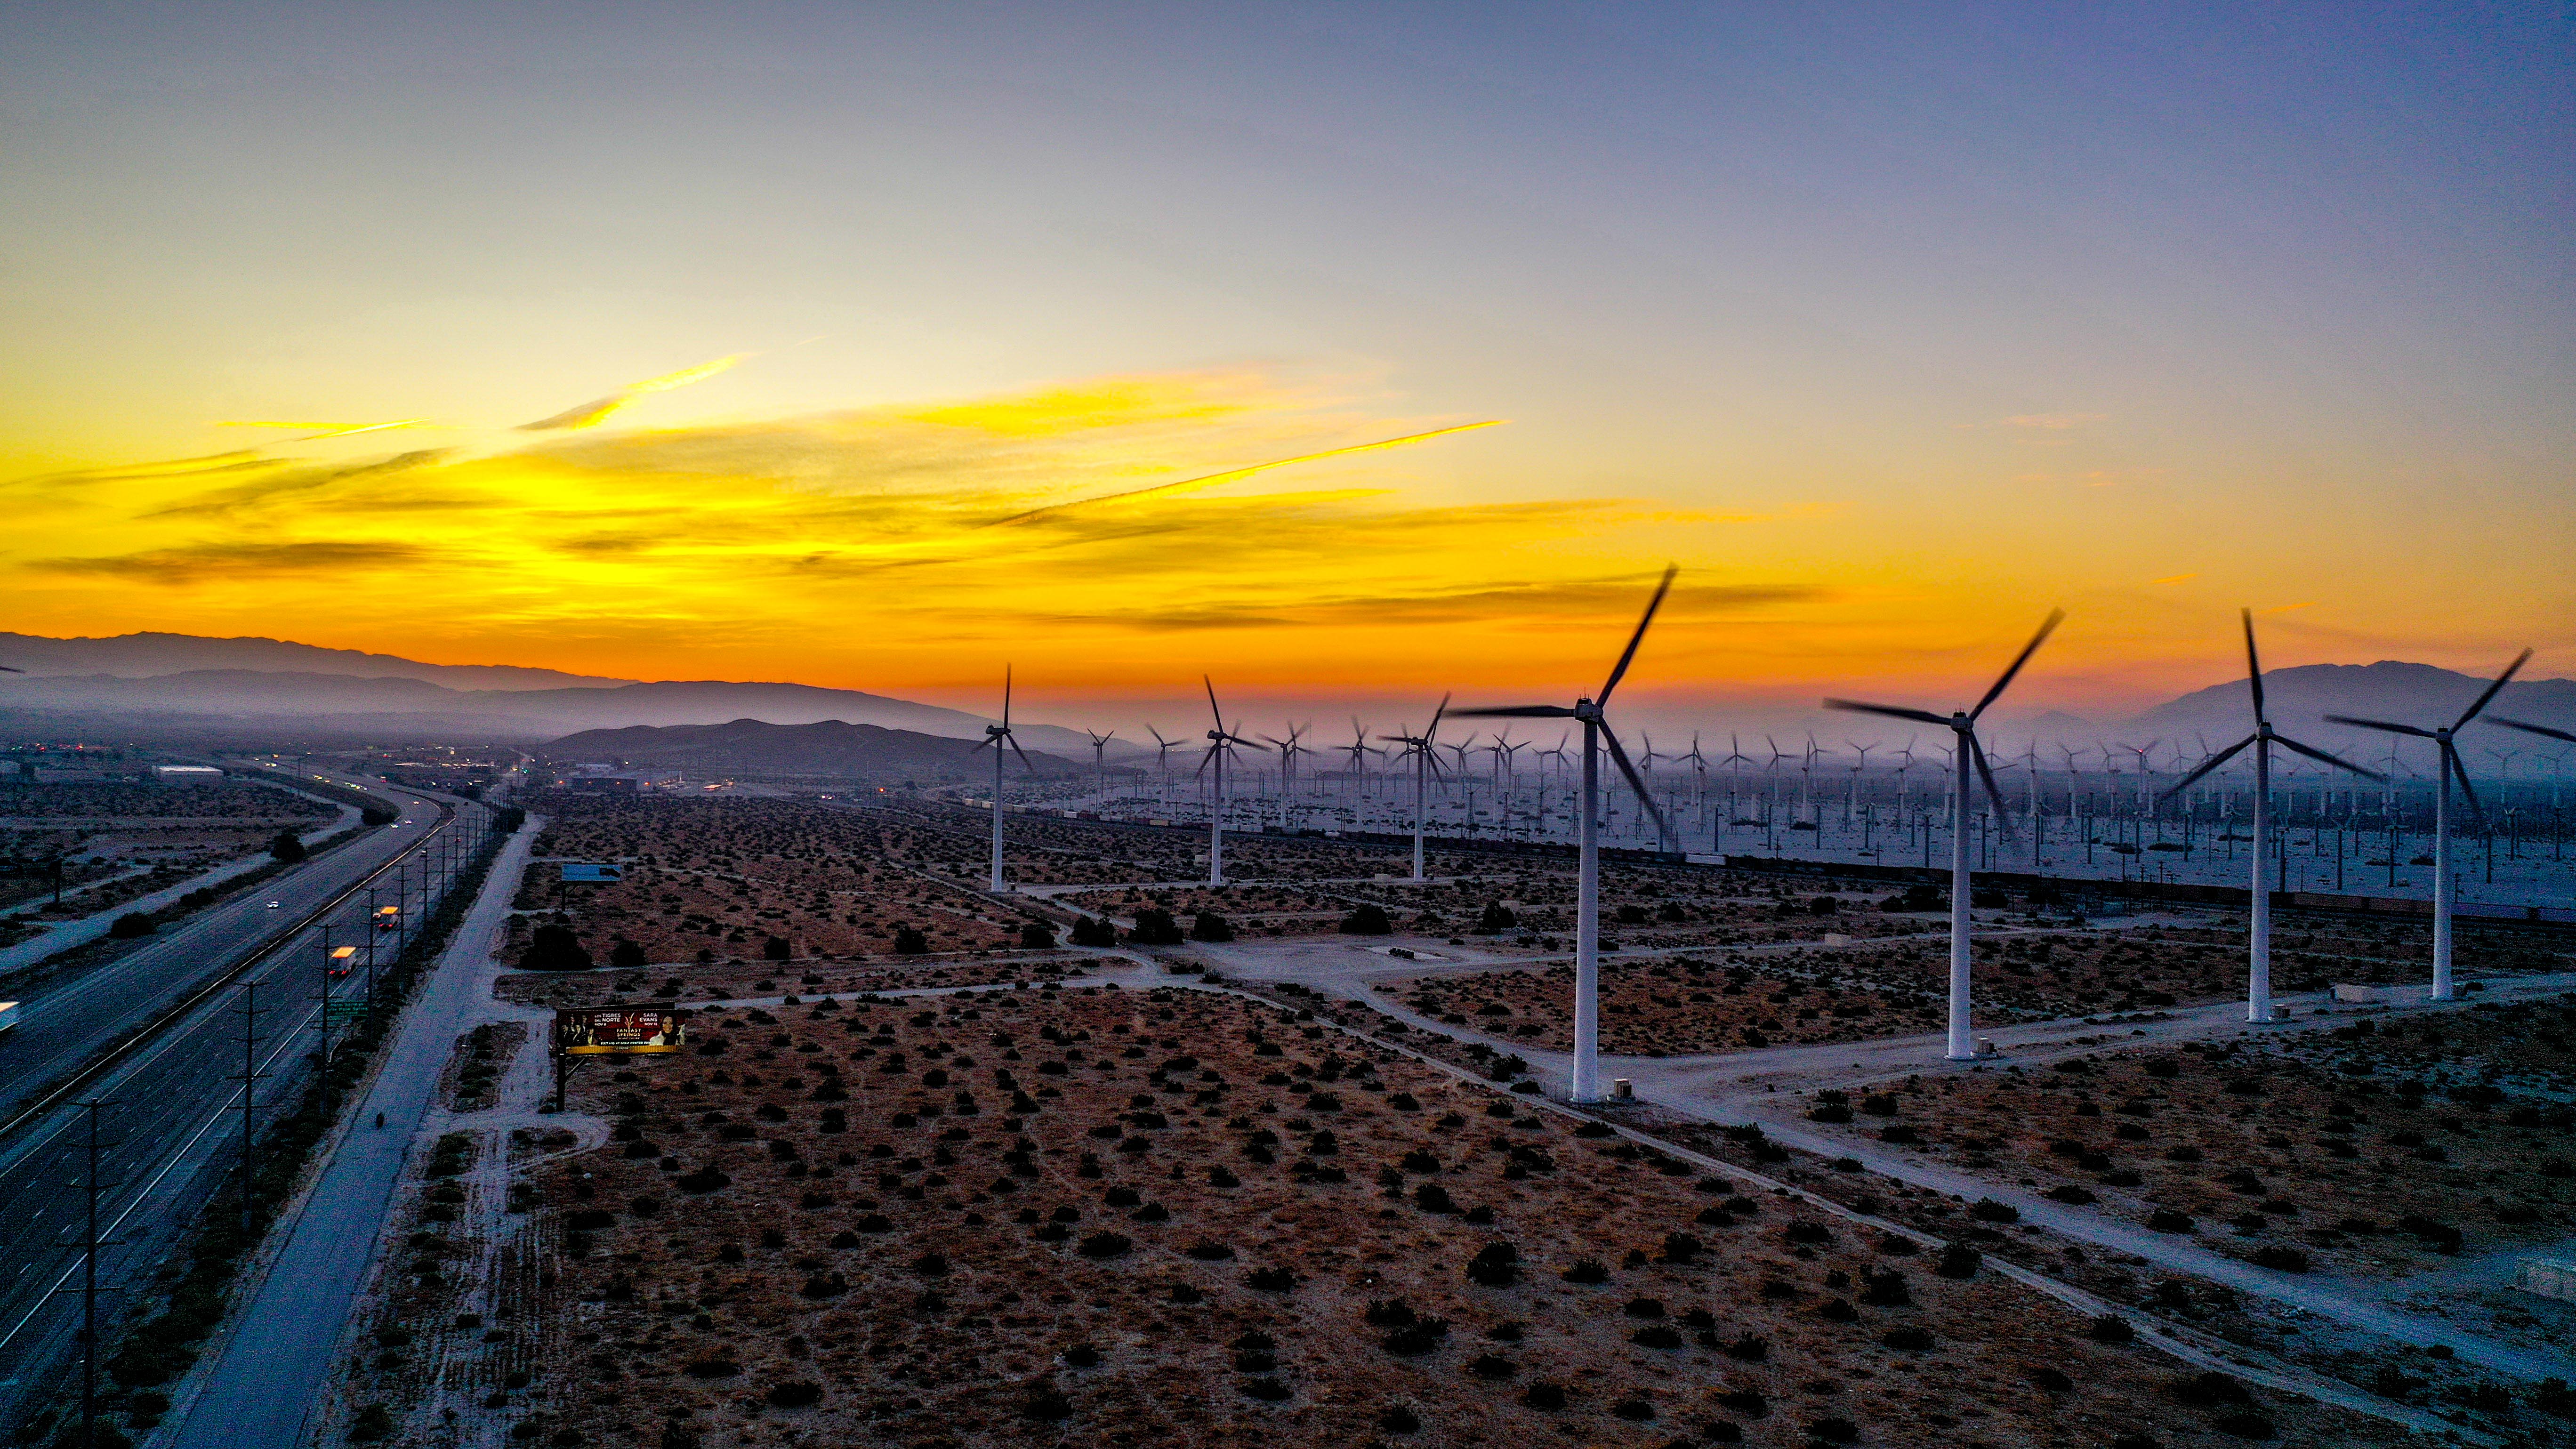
point(276, 689)
point(828, 750)
point(178, 681)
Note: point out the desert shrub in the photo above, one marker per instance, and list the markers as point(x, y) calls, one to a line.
point(1268, 1390)
point(2069, 1193)
point(1044, 1403)
point(2281, 1258)
point(910, 941)
point(1750, 1348)
point(130, 925)
point(1208, 1250)
point(1037, 936)
point(1586, 1270)
point(1496, 1265)
point(1106, 1245)
point(797, 1395)
point(1431, 1197)
point(1094, 931)
point(2166, 1220)
point(1543, 1395)
point(1885, 1290)
point(1958, 1261)
point(1657, 1335)
point(1399, 1419)
point(1834, 1429)
point(1155, 927)
point(554, 947)
point(1367, 921)
point(1987, 1210)
point(1682, 1247)
point(1492, 1366)
point(776, 948)
point(2210, 1390)
point(712, 1368)
point(1417, 1338)
point(1271, 1280)
point(1911, 1339)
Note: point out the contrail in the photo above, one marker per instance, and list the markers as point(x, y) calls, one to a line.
point(591, 413)
point(1212, 479)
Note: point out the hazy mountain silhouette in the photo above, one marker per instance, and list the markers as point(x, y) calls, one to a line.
point(2417, 694)
point(830, 749)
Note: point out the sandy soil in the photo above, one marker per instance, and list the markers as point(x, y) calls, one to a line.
point(1050, 1217)
point(2368, 1151)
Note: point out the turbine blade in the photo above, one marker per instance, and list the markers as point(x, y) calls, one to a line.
point(1006, 696)
point(2544, 731)
point(1620, 671)
point(1025, 762)
point(1525, 711)
point(1434, 731)
point(2047, 627)
point(2336, 761)
point(2212, 763)
point(1893, 711)
point(2510, 671)
point(1619, 757)
point(1994, 797)
point(1213, 712)
point(2253, 664)
point(2381, 724)
point(2450, 756)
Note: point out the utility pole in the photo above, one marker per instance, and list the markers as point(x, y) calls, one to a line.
point(250, 1075)
point(90, 1242)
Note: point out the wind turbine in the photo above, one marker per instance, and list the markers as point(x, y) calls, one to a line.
point(1221, 743)
point(1099, 770)
point(1163, 761)
point(1963, 723)
point(1426, 763)
point(1587, 909)
point(996, 736)
point(2446, 766)
point(2258, 977)
point(1359, 752)
point(1288, 750)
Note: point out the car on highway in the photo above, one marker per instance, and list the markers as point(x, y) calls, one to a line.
point(273, 905)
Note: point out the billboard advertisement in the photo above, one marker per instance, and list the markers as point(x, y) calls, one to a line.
point(598, 1031)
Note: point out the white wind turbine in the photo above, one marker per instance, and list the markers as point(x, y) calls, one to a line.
point(1587, 924)
point(1424, 750)
point(2446, 767)
point(1221, 743)
point(1289, 749)
point(1359, 752)
point(996, 736)
point(2258, 976)
point(1099, 767)
point(1163, 762)
point(1963, 723)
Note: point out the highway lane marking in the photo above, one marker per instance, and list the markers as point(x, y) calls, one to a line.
point(291, 1037)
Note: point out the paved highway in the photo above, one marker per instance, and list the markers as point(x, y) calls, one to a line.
point(176, 1123)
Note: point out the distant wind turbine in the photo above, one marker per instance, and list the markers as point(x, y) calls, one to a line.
point(1424, 750)
point(995, 737)
point(2258, 976)
point(1587, 923)
point(1221, 743)
point(1963, 723)
point(2446, 767)
point(1099, 769)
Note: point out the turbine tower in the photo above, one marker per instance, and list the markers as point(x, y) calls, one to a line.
point(1163, 762)
point(2445, 768)
point(1587, 921)
point(2258, 976)
point(1963, 723)
point(996, 736)
point(1221, 743)
point(1426, 763)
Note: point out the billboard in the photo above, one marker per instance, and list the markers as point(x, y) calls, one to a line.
point(578, 871)
point(598, 1031)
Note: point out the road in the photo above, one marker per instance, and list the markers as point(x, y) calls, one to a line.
point(290, 1330)
point(65, 935)
point(175, 1128)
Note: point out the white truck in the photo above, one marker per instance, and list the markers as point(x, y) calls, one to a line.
point(8, 1015)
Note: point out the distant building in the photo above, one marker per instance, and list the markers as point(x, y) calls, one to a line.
point(48, 775)
point(186, 774)
point(624, 782)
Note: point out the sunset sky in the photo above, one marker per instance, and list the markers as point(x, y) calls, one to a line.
point(818, 343)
